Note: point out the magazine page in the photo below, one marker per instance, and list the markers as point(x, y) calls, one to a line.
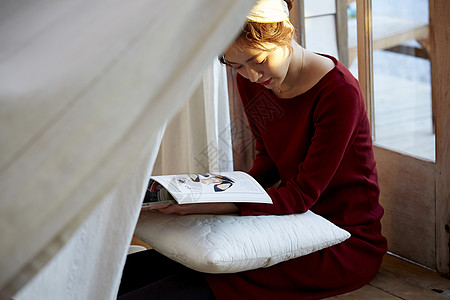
point(157, 196)
point(213, 187)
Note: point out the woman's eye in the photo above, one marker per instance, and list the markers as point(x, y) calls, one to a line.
point(263, 61)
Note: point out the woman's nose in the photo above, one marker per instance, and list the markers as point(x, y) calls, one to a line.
point(253, 75)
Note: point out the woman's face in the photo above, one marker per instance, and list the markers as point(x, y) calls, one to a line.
point(267, 67)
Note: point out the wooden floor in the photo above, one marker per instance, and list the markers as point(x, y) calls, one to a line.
point(397, 279)
point(400, 279)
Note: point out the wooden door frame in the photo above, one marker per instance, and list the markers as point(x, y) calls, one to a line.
point(409, 229)
point(440, 78)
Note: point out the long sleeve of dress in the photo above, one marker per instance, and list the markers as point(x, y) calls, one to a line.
point(263, 169)
point(336, 120)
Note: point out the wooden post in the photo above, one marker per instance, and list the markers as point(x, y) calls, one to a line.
point(365, 56)
point(297, 17)
point(342, 31)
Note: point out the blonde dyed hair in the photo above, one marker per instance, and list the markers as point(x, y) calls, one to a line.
point(256, 35)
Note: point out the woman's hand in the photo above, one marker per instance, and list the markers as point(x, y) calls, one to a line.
point(200, 208)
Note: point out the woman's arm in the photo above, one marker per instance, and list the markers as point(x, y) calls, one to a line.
point(263, 169)
point(336, 123)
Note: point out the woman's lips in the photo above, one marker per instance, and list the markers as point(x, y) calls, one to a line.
point(266, 82)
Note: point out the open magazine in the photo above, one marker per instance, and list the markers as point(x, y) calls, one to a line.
point(233, 186)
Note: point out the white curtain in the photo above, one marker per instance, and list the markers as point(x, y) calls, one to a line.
point(198, 139)
point(85, 88)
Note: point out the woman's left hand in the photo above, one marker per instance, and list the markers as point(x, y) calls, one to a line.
point(200, 208)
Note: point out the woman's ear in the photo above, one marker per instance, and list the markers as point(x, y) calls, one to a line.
point(288, 24)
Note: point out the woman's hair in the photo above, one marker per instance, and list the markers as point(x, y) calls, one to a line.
point(254, 35)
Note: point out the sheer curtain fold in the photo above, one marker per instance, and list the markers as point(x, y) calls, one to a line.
point(85, 90)
point(198, 139)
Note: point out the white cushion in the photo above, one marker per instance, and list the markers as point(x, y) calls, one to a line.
point(135, 248)
point(230, 243)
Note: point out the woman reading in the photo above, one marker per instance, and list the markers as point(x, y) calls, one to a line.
point(314, 152)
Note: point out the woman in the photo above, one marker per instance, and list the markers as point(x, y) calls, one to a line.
point(314, 152)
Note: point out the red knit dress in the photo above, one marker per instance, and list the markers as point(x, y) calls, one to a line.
point(319, 145)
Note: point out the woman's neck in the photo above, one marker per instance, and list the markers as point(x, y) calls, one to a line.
point(293, 79)
point(305, 70)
